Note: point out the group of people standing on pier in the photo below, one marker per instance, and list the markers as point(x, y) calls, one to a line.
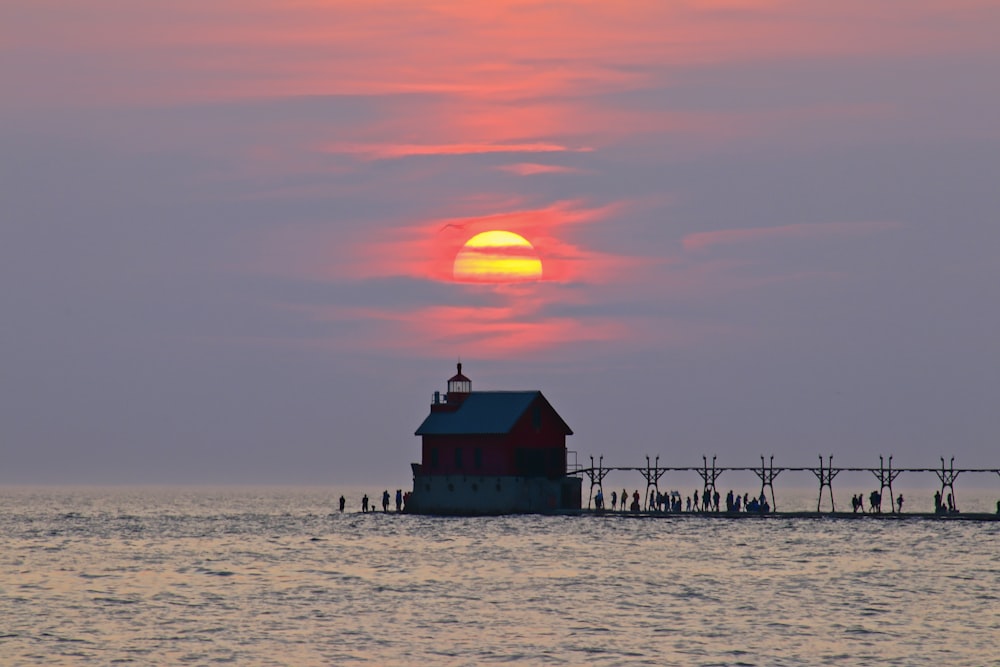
point(707, 500)
point(369, 506)
point(949, 508)
point(875, 503)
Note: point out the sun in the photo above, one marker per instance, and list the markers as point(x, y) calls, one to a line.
point(497, 257)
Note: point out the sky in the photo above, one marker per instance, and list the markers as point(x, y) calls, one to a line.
point(228, 231)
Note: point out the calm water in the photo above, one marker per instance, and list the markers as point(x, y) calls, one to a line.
point(273, 578)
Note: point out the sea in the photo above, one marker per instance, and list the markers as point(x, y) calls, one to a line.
point(278, 576)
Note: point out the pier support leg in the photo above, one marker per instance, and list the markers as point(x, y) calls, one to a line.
point(652, 474)
point(886, 476)
point(708, 476)
point(825, 477)
point(596, 475)
point(948, 476)
point(767, 473)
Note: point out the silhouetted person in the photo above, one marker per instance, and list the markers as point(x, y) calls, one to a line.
point(875, 502)
point(715, 500)
point(951, 503)
point(624, 499)
point(385, 500)
point(899, 503)
point(614, 500)
point(399, 500)
point(937, 502)
point(343, 502)
point(364, 503)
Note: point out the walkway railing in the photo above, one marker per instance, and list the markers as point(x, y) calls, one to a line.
point(766, 472)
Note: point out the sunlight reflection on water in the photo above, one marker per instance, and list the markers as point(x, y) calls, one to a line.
point(272, 577)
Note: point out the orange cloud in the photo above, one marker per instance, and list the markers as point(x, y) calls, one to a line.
point(427, 250)
point(492, 318)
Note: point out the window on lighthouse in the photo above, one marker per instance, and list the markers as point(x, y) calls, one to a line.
point(459, 384)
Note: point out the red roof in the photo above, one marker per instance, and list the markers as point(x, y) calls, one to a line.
point(459, 377)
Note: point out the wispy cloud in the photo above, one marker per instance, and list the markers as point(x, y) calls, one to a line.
point(701, 241)
point(500, 331)
point(499, 51)
point(392, 151)
point(533, 168)
point(518, 322)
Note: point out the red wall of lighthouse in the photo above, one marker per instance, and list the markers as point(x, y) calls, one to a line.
point(535, 445)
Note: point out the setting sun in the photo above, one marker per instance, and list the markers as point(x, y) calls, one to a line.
point(497, 257)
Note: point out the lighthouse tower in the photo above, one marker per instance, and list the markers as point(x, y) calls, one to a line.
point(459, 386)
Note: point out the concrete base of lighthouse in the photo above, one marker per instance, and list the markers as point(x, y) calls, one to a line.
point(475, 495)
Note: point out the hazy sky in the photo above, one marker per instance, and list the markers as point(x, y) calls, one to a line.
point(227, 231)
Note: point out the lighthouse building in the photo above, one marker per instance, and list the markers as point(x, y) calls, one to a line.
point(492, 452)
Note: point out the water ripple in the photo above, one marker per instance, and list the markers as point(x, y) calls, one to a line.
point(274, 578)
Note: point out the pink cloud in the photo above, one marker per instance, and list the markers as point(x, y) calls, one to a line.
point(181, 51)
point(499, 331)
point(727, 237)
point(532, 168)
point(492, 331)
point(389, 151)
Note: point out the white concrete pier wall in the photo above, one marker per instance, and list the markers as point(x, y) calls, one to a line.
point(470, 494)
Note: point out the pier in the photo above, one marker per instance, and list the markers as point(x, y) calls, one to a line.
point(885, 474)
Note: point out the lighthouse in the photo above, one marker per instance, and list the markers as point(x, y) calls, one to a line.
point(492, 452)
